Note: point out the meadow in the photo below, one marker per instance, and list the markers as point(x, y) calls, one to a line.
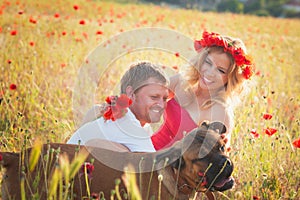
point(44, 43)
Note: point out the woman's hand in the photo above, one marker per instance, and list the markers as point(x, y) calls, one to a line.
point(94, 113)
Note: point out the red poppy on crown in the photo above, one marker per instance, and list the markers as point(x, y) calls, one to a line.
point(241, 59)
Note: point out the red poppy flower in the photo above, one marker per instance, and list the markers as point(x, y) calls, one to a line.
point(13, 32)
point(108, 114)
point(177, 54)
point(117, 112)
point(270, 131)
point(254, 133)
point(13, 86)
point(214, 39)
point(32, 20)
point(64, 33)
point(99, 32)
point(123, 101)
point(175, 67)
point(296, 143)
point(197, 45)
point(82, 22)
point(95, 196)
point(31, 43)
point(9, 61)
point(247, 72)
point(117, 107)
point(89, 169)
point(76, 7)
point(110, 99)
point(56, 15)
point(267, 116)
point(240, 59)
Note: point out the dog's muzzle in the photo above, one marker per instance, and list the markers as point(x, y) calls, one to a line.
point(218, 176)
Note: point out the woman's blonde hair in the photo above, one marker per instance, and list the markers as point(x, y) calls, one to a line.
point(234, 88)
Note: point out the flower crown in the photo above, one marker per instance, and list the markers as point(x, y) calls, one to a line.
point(116, 107)
point(241, 59)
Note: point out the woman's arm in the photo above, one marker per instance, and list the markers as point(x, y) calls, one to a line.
point(221, 114)
point(174, 82)
point(95, 112)
point(180, 90)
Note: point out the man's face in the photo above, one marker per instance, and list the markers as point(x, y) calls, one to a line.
point(149, 102)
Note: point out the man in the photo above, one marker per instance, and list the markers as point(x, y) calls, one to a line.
point(147, 87)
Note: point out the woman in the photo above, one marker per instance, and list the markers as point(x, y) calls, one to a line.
point(208, 90)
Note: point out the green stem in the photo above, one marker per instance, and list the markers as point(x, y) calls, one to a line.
point(87, 181)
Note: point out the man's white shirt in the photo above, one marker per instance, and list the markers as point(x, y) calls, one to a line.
point(126, 130)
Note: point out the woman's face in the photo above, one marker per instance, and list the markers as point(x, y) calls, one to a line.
point(214, 71)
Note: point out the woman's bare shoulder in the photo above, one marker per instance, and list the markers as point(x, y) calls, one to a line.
point(219, 112)
point(180, 88)
point(221, 109)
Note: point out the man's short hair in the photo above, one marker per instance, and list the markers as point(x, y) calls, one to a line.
point(139, 73)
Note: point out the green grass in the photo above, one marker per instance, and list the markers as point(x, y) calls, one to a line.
point(45, 74)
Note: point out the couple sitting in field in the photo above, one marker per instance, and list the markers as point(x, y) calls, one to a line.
point(216, 76)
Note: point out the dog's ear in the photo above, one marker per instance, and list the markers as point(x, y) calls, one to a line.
point(205, 124)
point(218, 127)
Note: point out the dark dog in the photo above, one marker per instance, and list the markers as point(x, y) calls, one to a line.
point(195, 164)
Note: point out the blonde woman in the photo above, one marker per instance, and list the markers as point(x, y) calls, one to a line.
point(208, 90)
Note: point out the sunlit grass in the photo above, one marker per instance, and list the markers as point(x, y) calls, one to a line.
point(43, 46)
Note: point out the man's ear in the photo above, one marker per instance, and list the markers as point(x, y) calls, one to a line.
point(130, 92)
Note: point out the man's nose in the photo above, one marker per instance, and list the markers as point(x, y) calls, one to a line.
point(162, 103)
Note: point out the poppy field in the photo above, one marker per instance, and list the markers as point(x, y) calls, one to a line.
point(44, 43)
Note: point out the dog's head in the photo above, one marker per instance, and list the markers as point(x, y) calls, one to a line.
point(203, 164)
